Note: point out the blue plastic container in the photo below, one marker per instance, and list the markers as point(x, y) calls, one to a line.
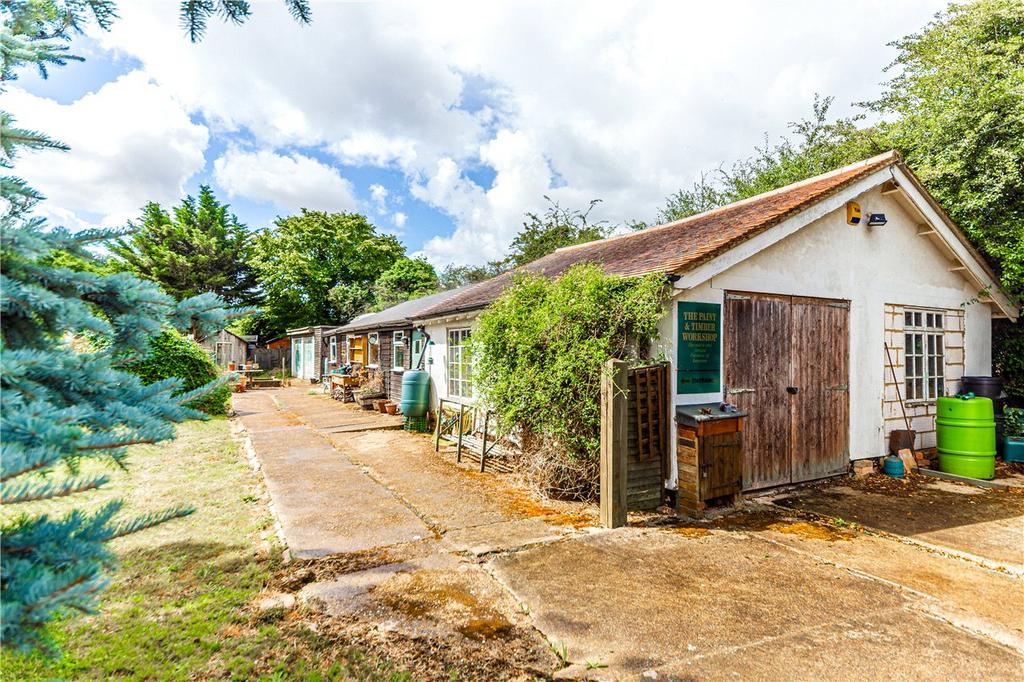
point(893, 466)
point(1013, 449)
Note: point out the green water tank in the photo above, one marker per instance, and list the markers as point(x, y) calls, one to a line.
point(415, 393)
point(966, 432)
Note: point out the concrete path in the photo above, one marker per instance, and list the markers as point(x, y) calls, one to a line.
point(509, 589)
point(344, 479)
point(324, 503)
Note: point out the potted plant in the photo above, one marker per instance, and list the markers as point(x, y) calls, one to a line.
point(1013, 435)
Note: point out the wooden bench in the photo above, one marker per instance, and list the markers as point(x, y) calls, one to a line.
point(478, 445)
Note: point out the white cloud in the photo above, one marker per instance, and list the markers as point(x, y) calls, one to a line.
point(131, 142)
point(379, 195)
point(625, 101)
point(290, 182)
point(399, 219)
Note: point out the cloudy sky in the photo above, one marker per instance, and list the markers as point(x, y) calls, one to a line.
point(443, 122)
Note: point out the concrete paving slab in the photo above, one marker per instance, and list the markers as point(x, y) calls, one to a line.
point(639, 600)
point(496, 537)
point(989, 525)
point(889, 644)
point(978, 598)
point(444, 495)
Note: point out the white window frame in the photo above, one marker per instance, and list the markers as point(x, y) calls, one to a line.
point(348, 349)
point(924, 354)
point(334, 348)
point(459, 365)
point(398, 341)
point(229, 357)
point(373, 349)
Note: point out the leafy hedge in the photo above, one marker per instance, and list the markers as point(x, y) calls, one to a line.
point(539, 349)
point(174, 355)
point(1008, 357)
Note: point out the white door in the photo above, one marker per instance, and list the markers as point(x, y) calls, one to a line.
point(309, 370)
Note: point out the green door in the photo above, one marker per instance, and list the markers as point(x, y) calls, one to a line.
point(418, 345)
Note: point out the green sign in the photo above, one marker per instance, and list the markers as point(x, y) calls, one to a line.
point(699, 344)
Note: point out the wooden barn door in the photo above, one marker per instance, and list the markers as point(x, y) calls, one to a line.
point(787, 363)
point(820, 370)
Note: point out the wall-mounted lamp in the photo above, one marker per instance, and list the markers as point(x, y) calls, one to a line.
point(876, 219)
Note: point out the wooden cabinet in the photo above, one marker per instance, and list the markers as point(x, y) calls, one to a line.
point(709, 453)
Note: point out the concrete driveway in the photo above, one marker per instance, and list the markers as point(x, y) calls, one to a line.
point(450, 571)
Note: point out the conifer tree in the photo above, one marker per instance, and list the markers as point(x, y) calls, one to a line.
point(201, 248)
point(67, 335)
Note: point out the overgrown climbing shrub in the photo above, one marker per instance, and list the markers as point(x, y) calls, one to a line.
point(538, 354)
point(1008, 357)
point(173, 355)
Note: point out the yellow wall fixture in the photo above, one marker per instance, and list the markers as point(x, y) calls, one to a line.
point(852, 213)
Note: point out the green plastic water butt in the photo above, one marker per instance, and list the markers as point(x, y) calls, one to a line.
point(966, 432)
point(415, 393)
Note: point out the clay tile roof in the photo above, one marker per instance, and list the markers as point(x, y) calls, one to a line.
point(678, 246)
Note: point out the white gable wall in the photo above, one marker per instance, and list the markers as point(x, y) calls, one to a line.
point(869, 267)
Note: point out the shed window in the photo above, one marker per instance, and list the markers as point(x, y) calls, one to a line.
point(923, 346)
point(373, 343)
point(334, 349)
point(225, 353)
point(398, 351)
point(459, 364)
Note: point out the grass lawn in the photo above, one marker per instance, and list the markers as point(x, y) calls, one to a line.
point(178, 604)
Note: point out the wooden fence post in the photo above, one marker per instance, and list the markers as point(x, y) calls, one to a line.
point(614, 443)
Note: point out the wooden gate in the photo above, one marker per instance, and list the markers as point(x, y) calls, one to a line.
point(787, 364)
point(648, 427)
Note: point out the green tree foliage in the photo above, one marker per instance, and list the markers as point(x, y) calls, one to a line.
point(67, 334)
point(556, 227)
point(816, 145)
point(174, 355)
point(320, 268)
point(957, 104)
point(1008, 358)
point(539, 348)
point(704, 195)
point(408, 278)
point(460, 275)
point(200, 248)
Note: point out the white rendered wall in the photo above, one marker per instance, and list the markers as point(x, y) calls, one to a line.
point(436, 356)
point(869, 267)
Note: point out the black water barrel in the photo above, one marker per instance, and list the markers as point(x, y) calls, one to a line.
point(985, 387)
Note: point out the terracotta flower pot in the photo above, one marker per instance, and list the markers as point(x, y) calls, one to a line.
point(381, 405)
point(392, 408)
